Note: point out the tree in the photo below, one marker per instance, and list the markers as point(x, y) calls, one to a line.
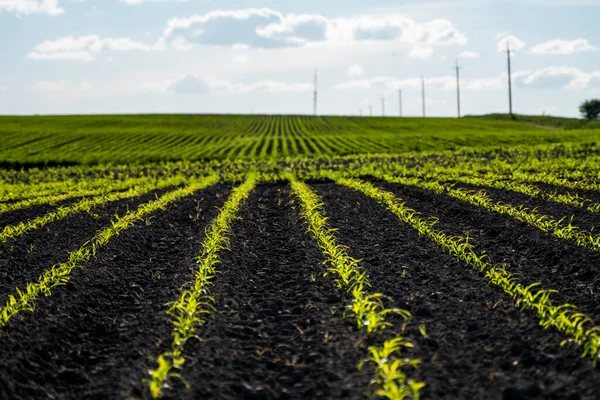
point(590, 109)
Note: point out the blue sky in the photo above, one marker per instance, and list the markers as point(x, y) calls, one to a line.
point(226, 56)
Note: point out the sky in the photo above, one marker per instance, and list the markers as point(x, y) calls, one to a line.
point(233, 56)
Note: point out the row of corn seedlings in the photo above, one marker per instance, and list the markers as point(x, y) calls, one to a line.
point(85, 205)
point(54, 198)
point(543, 222)
point(576, 326)
point(367, 309)
point(492, 181)
point(23, 191)
point(59, 274)
point(189, 311)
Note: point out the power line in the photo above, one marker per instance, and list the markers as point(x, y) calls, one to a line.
point(400, 101)
point(458, 88)
point(423, 94)
point(510, 108)
point(315, 94)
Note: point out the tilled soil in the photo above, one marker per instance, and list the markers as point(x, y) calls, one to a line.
point(23, 214)
point(98, 336)
point(577, 216)
point(26, 257)
point(479, 346)
point(528, 252)
point(278, 330)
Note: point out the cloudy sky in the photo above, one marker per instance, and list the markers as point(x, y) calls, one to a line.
point(233, 56)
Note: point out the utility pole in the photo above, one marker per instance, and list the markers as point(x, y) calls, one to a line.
point(382, 106)
point(400, 100)
point(509, 80)
point(370, 110)
point(360, 112)
point(315, 95)
point(458, 88)
point(423, 94)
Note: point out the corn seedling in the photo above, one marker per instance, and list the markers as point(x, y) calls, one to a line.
point(565, 318)
point(60, 274)
point(367, 309)
point(189, 311)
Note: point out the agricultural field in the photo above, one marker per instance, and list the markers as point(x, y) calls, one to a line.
point(190, 257)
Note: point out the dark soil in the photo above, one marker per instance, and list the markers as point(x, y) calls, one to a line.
point(583, 193)
point(97, 337)
point(277, 330)
point(528, 252)
point(16, 216)
point(26, 257)
point(275, 333)
point(581, 217)
point(479, 346)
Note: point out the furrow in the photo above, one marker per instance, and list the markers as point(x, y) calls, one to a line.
point(566, 318)
point(367, 308)
point(189, 310)
point(24, 300)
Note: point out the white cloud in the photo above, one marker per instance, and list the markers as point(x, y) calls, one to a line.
point(355, 71)
point(2, 89)
point(550, 77)
point(50, 7)
point(468, 54)
point(140, 2)
point(181, 44)
point(192, 83)
point(558, 46)
point(514, 43)
point(267, 28)
point(48, 86)
point(393, 84)
point(565, 77)
point(83, 48)
point(421, 53)
point(84, 87)
point(241, 59)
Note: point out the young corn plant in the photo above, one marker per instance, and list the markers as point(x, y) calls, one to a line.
point(545, 223)
point(576, 326)
point(59, 274)
point(367, 309)
point(390, 374)
point(188, 312)
point(84, 205)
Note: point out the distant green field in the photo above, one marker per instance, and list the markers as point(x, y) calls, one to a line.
point(545, 120)
point(138, 139)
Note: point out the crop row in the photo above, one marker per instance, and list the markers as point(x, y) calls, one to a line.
point(144, 139)
point(367, 308)
point(566, 318)
point(189, 310)
point(57, 275)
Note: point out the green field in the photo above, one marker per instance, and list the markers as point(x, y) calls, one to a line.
point(186, 257)
point(544, 120)
point(71, 140)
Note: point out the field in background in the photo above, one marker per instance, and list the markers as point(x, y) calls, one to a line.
point(138, 139)
point(543, 120)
